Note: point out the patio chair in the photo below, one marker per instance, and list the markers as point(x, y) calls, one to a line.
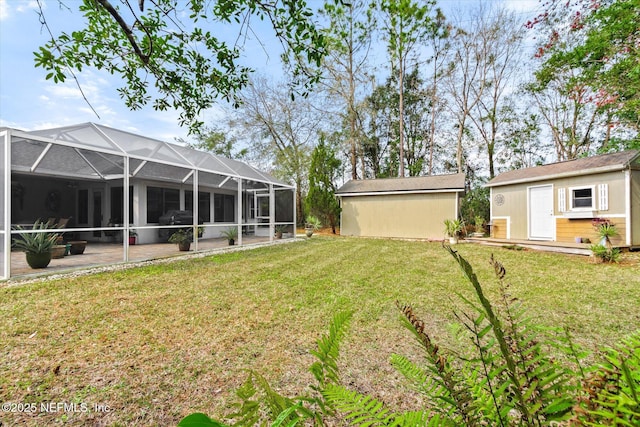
point(63, 222)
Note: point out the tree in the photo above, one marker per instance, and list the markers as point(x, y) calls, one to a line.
point(439, 42)
point(463, 83)
point(348, 37)
point(522, 145)
point(218, 142)
point(407, 24)
point(380, 145)
point(499, 54)
point(596, 45)
point(170, 46)
point(570, 120)
point(416, 127)
point(281, 131)
point(321, 200)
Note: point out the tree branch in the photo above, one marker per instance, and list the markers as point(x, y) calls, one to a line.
point(127, 30)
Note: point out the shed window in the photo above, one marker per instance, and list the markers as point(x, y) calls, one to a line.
point(582, 198)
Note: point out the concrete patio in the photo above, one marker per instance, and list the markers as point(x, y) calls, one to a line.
point(101, 254)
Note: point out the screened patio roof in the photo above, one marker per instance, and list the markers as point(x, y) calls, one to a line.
point(92, 151)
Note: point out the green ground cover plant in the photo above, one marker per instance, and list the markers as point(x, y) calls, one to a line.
point(156, 343)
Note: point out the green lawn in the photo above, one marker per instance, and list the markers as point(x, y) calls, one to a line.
point(153, 344)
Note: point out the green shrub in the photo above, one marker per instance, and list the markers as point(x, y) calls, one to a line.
point(606, 254)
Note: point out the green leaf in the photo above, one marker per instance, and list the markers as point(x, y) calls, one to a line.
point(199, 420)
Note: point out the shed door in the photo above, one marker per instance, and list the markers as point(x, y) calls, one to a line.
point(541, 220)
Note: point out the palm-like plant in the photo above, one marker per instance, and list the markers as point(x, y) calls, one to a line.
point(605, 232)
point(452, 227)
point(313, 223)
point(231, 234)
point(38, 242)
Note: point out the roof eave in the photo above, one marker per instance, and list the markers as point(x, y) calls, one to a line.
point(394, 192)
point(593, 171)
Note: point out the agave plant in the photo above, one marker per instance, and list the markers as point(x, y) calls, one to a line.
point(35, 243)
point(231, 234)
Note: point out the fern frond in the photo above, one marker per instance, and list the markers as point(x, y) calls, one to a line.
point(418, 378)
point(288, 416)
point(260, 403)
point(538, 386)
point(325, 369)
point(611, 393)
point(451, 390)
point(359, 409)
point(418, 419)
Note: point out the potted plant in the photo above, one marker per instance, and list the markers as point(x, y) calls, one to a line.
point(606, 230)
point(37, 246)
point(311, 224)
point(604, 250)
point(479, 226)
point(279, 230)
point(452, 228)
point(231, 234)
point(183, 237)
point(58, 251)
point(133, 234)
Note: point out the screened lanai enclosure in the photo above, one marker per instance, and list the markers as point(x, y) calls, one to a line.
point(123, 195)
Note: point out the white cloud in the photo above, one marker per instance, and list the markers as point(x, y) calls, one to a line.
point(59, 92)
point(25, 6)
point(7, 7)
point(4, 10)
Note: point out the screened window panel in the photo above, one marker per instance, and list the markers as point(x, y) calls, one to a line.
point(161, 200)
point(65, 161)
point(25, 153)
point(85, 135)
point(224, 208)
point(106, 164)
point(163, 172)
point(284, 205)
point(204, 204)
point(210, 179)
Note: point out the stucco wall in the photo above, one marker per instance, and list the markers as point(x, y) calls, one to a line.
point(400, 215)
point(515, 203)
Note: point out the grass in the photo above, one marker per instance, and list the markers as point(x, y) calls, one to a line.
point(155, 343)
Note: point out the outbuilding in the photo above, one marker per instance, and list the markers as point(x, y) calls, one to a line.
point(414, 207)
point(561, 202)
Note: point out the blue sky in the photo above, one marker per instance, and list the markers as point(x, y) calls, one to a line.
point(29, 102)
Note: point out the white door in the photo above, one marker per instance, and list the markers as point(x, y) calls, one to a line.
point(541, 220)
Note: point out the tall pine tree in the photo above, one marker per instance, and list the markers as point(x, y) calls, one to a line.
point(321, 200)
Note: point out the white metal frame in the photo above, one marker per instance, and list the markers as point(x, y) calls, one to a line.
point(194, 171)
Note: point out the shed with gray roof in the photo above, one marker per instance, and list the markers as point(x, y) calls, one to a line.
point(414, 207)
point(558, 202)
